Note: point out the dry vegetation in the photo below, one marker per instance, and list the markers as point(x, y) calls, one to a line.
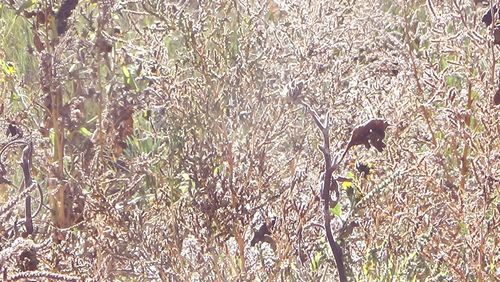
point(164, 135)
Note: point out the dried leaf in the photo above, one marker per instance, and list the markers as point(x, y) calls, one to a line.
point(496, 99)
point(103, 45)
point(123, 125)
point(496, 35)
point(38, 43)
point(369, 134)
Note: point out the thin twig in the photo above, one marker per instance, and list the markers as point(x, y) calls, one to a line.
point(28, 181)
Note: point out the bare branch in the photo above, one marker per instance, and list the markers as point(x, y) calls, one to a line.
point(328, 185)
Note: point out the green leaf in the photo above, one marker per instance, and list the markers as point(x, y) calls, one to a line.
point(473, 124)
point(14, 97)
point(185, 176)
point(350, 174)
point(52, 136)
point(425, 44)
point(337, 210)
point(186, 183)
point(217, 170)
point(421, 15)
point(463, 228)
point(454, 81)
point(85, 132)
point(450, 28)
point(315, 261)
point(443, 63)
point(128, 79)
point(439, 135)
point(126, 75)
point(25, 5)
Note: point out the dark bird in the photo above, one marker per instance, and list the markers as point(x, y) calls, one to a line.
point(264, 229)
point(363, 168)
point(63, 14)
point(13, 130)
point(488, 17)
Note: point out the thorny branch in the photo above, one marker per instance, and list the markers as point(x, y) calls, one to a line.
point(42, 274)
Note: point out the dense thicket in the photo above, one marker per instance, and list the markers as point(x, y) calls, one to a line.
point(174, 141)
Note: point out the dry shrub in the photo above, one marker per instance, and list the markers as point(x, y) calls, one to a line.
point(167, 133)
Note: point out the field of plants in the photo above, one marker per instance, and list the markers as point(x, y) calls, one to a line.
point(249, 140)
